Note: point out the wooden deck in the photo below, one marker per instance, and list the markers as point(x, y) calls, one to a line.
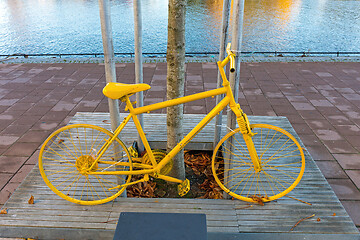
point(54, 218)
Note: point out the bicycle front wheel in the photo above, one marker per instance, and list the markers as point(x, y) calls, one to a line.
point(281, 159)
point(67, 161)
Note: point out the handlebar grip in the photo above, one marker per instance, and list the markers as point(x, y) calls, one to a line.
point(232, 63)
point(231, 56)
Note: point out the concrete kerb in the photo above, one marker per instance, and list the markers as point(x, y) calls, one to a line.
point(210, 58)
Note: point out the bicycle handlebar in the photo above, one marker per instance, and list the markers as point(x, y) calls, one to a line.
point(231, 56)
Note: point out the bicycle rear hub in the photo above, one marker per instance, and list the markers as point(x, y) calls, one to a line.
point(84, 163)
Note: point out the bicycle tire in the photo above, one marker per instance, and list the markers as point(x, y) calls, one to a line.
point(281, 158)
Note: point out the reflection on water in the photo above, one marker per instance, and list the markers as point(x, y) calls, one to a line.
point(73, 26)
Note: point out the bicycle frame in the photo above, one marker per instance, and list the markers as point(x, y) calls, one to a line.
point(133, 112)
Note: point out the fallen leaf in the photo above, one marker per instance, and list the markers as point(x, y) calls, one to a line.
point(248, 206)
point(4, 211)
point(299, 200)
point(31, 200)
point(258, 200)
point(301, 221)
point(318, 219)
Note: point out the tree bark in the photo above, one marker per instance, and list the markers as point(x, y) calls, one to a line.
point(175, 80)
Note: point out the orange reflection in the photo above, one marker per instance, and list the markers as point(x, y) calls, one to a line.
point(283, 10)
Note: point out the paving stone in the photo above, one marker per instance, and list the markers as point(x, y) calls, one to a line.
point(22, 149)
point(348, 161)
point(325, 134)
point(319, 124)
point(26, 120)
point(344, 189)
point(33, 159)
point(328, 111)
point(348, 130)
point(54, 116)
point(8, 102)
point(22, 173)
point(302, 129)
point(21, 106)
point(11, 164)
point(307, 115)
point(16, 130)
point(353, 114)
point(38, 109)
point(35, 136)
point(310, 140)
point(331, 169)
point(338, 120)
point(7, 191)
point(339, 146)
point(321, 103)
point(46, 125)
point(63, 106)
point(323, 74)
point(354, 140)
point(4, 179)
point(302, 106)
point(354, 176)
point(295, 118)
point(353, 209)
point(6, 141)
point(320, 152)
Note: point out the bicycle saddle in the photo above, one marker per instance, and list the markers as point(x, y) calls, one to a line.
point(117, 90)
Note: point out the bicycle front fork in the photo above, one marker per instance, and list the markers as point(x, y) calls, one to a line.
point(252, 152)
point(245, 129)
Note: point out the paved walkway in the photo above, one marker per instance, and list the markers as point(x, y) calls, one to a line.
point(321, 100)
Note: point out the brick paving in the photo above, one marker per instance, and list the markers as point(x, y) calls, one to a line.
point(321, 100)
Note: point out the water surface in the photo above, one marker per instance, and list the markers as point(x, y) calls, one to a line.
point(73, 26)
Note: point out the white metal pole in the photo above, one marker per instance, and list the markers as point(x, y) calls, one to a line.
point(223, 41)
point(110, 71)
point(236, 41)
point(234, 78)
point(138, 62)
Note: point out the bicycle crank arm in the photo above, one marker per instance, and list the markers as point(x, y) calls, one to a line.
point(144, 179)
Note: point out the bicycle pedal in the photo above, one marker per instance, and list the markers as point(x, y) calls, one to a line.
point(133, 150)
point(184, 187)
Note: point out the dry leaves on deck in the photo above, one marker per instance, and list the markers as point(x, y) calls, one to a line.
point(31, 200)
point(200, 163)
point(4, 211)
point(144, 189)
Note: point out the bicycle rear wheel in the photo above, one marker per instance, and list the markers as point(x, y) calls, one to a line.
point(66, 158)
point(281, 158)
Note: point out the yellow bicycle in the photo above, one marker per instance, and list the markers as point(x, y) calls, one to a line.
point(90, 165)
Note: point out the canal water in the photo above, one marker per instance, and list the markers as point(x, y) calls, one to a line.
point(73, 26)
